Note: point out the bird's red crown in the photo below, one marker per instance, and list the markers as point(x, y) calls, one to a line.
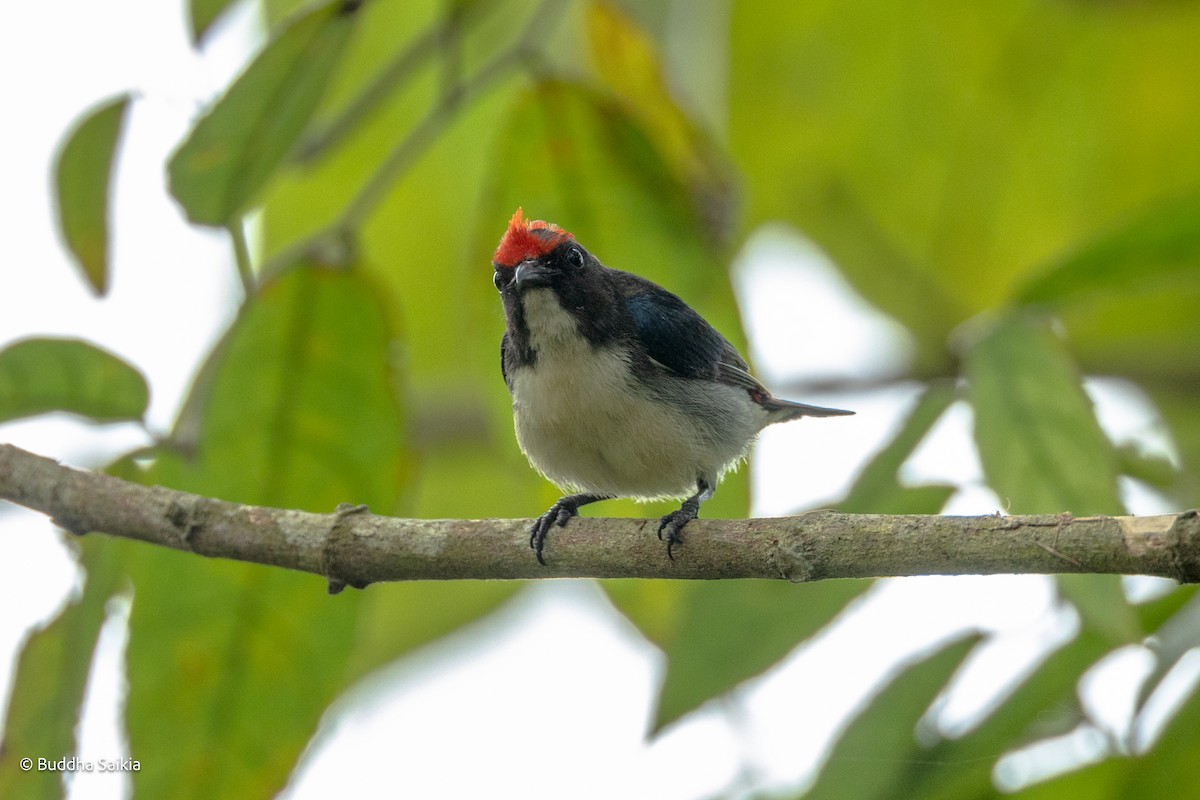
point(526, 239)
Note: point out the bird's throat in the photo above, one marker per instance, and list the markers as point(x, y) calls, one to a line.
point(552, 329)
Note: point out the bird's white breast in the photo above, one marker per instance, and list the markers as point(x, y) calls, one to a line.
point(584, 421)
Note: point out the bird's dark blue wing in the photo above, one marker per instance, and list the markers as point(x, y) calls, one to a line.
point(503, 359)
point(681, 340)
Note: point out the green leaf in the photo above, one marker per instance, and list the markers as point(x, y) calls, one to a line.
point(38, 376)
point(1177, 404)
point(51, 677)
point(234, 149)
point(654, 607)
point(202, 14)
point(83, 186)
point(717, 635)
point(303, 396)
point(878, 489)
point(262, 653)
point(1044, 704)
point(928, 499)
point(1128, 298)
point(1154, 613)
point(1159, 250)
point(1100, 601)
point(630, 67)
point(398, 618)
point(1042, 450)
point(1156, 470)
point(879, 756)
point(1169, 769)
point(1177, 635)
point(231, 665)
point(1094, 782)
point(941, 153)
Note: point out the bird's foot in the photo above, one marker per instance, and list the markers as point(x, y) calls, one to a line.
point(559, 514)
point(673, 524)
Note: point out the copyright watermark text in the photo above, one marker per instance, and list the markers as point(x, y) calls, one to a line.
point(74, 764)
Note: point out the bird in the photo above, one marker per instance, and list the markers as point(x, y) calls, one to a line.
point(619, 388)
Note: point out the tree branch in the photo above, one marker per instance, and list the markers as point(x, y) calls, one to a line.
point(354, 547)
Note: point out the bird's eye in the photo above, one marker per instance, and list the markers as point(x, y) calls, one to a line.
point(498, 279)
point(575, 257)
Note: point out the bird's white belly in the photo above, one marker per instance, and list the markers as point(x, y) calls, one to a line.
point(587, 429)
point(583, 422)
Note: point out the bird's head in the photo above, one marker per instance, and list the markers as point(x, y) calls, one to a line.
point(534, 254)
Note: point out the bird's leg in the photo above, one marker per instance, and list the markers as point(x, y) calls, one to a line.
point(673, 523)
point(558, 515)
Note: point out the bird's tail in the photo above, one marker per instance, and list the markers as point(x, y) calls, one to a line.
point(786, 410)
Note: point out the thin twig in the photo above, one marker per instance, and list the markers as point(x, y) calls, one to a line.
point(391, 79)
point(453, 97)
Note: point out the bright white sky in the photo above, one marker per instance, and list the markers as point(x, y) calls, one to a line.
point(462, 717)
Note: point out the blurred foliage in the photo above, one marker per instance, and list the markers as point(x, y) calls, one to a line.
point(235, 147)
point(83, 174)
point(882, 736)
point(203, 14)
point(41, 375)
point(878, 489)
point(1034, 424)
point(1016, 183)
point(53, 671)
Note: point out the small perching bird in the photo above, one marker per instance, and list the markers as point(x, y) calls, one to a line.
point(619, 388)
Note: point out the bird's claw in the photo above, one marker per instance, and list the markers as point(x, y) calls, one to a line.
point(558, 514)
point(673, 524)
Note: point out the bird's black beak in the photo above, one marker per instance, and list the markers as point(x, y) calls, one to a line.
point(531, 274)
